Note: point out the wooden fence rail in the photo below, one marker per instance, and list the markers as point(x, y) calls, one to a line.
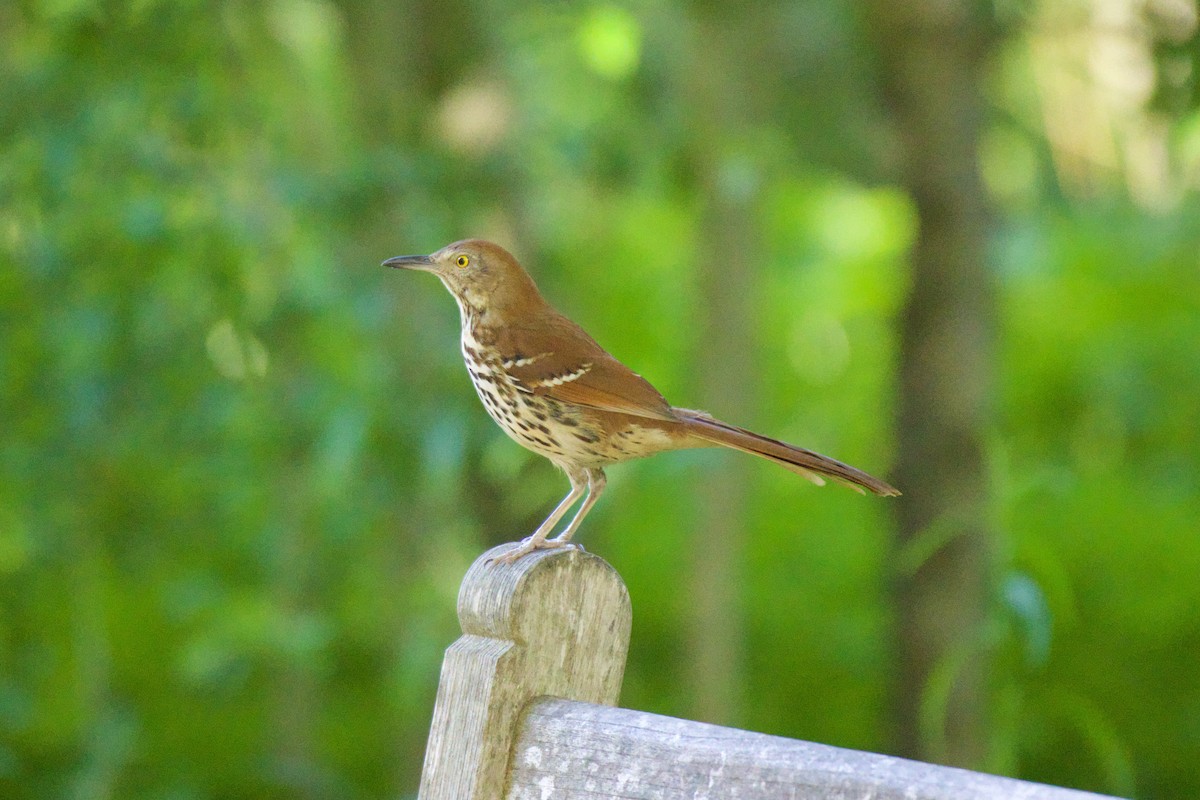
point(525, 711)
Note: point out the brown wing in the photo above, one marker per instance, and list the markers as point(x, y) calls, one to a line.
point(556, 358)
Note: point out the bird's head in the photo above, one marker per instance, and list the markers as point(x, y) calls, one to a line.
point(481, 275)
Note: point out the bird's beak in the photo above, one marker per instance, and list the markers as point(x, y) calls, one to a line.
point(410, 262)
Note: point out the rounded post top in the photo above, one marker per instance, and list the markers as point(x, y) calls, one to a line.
point(545, 589)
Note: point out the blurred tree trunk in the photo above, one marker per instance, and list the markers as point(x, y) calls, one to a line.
point(931, 58)
point(724, 348)
point(91, 646)
point(298, 693)
point(723, 358)
point(403, 57)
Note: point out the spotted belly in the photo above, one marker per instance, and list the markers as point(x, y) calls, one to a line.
point(562, 432)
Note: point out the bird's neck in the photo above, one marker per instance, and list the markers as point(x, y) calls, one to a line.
point(511, 303)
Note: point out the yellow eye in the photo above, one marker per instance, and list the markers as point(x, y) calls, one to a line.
point(462, 261)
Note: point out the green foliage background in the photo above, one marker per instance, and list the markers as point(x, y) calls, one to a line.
point(243, 470)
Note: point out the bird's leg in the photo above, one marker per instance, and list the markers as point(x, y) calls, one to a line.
point(595, 484)
point(579, 482)
point(578, 485)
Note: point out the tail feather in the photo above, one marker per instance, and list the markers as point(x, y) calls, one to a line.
point(813, 466)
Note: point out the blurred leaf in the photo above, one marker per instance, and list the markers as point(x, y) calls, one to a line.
point(610, 39)
point(1023, 598)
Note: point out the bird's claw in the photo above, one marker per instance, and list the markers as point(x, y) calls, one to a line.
point(529, 545)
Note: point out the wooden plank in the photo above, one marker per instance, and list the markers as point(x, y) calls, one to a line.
point(570, 751)
point(554, 623)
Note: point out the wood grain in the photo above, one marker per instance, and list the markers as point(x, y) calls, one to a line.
point(570, 751)
point(554, 623)
point(524, 712)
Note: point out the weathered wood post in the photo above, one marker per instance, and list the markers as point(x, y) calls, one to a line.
point(531, 686)
point(555, 623)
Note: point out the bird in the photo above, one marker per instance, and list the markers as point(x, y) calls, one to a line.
point(555, 391)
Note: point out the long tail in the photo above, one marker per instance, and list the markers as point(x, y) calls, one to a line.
point(804, 462)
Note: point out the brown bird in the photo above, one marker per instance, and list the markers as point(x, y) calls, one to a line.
point(558, 393)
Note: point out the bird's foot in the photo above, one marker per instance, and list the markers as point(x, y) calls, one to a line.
point(532, 543)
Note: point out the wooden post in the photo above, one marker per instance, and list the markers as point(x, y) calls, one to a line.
point(573, 751)
point(555, 623)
